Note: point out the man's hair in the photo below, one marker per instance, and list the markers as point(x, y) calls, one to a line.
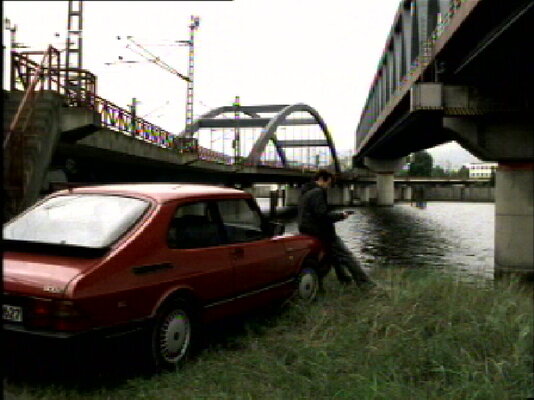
point(324, 175)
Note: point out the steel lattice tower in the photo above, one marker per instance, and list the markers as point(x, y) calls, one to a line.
point(73, 61)
point(190, 74)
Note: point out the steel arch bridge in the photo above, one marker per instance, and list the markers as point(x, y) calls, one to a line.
point(283, 136)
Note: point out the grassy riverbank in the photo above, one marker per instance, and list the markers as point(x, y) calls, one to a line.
point(424, 336)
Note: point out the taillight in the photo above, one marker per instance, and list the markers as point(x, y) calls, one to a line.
point(65, 309)
point(54, 314)
point(42, 307)
point(38, 313)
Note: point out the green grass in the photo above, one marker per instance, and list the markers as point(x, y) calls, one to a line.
point(423, 336)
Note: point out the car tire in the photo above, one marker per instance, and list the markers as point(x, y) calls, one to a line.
point(172, 335)
point(308, 284)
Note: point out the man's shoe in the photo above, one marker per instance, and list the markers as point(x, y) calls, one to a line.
point(345, 281)
point(367, 285)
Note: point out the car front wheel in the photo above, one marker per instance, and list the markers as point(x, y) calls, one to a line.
point(172, 335)
point(307, 285)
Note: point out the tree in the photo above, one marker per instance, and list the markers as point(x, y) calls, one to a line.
point(439, 172)
point(421, 164)
point(462, 173)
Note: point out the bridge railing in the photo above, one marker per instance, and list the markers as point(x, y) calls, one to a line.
point(78, 86)
point(214, 156)
point(117, 118)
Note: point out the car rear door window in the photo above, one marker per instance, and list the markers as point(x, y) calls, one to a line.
point(194, 226)
point(241, 222)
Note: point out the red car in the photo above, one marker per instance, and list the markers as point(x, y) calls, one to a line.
point(161, 256)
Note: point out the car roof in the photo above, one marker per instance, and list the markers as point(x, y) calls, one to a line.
point(161, 192)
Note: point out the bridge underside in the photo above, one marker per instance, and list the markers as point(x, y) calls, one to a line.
point(469, 79)
point(105, 155)
point(99, 165)
point(481, 75)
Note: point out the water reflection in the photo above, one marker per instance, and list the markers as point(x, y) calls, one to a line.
point(444, 235)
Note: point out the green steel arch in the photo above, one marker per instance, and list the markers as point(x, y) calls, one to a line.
point(269, 125)
point(269, 133)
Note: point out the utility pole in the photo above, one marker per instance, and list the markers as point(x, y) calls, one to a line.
point(12, 33)
point(133, 111)
point(237, 136)
point(193, 26)
point(143, 52)
point(73, 61)
point(8, 57)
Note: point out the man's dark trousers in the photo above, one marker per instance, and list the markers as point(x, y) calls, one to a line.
point(342, 260)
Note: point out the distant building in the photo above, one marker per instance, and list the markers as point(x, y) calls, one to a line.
point(481, 169)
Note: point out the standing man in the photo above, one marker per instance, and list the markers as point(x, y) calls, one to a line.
point(315, 219)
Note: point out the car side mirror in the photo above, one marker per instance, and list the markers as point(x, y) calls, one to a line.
point(275, 228)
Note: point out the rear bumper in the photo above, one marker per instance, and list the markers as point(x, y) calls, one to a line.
point(18, 329)
point(13, 329)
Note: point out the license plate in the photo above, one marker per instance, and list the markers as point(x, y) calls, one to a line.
point(11, 313)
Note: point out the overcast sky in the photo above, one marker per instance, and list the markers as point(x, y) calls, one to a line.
point(322, 53)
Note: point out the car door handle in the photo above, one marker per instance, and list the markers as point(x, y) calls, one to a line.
point(237, 252)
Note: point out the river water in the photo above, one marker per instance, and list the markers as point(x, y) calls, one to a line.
point(451, 236)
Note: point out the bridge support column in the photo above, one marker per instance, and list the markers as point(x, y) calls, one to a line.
point(514, 219)
point(292, 196)
point(273, 203)
point(365, 194)
point(339, 196)
point(384, 170)
point(506, 138)
point(406, 193)
point(385, 189)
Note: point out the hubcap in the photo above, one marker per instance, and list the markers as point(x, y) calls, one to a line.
point(308, 285)
point(175, 335)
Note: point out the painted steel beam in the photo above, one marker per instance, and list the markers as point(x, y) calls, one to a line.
point(304, 143)
point(270, 130)
point(250, 122)
point(269, 108)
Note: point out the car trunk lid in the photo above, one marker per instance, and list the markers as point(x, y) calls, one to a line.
point(41, 274)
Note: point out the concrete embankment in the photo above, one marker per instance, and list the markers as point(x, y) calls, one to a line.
point(454, 193)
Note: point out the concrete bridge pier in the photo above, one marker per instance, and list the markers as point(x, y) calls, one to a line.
point(406, 193)
point(339, 196)
point(292, 195)
point(273, 203)
point(514, 219)
point(365, 195)
point(509, 140)
point(384, 170)
point(385, 189)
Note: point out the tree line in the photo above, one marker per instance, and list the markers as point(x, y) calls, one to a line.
point(422, 164)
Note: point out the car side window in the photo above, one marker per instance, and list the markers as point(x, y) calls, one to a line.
point(193, 226)
point(241, 222)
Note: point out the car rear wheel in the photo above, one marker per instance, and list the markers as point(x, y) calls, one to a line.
point(172, 334)
point(307, 285)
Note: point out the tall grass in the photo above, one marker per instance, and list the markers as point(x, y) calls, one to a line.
point(422, 336)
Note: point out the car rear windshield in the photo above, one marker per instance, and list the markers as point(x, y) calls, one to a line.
point(86, 220)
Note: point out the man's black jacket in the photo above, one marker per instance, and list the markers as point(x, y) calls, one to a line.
point(313, 215)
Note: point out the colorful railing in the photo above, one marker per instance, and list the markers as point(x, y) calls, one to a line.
point(78, 86)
